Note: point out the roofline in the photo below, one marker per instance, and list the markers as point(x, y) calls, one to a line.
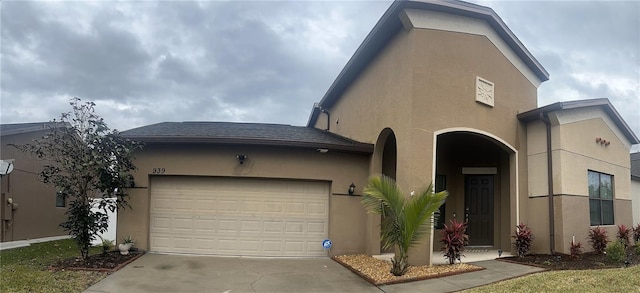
point(534, 114)
point(636, 178)
point(388, 25)
point(40, 127)
point(362, 148)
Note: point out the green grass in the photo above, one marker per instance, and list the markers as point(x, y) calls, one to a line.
point(606, 280)
point(26, 269)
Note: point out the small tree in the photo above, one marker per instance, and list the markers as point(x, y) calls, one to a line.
point(406, 219)
point(85, 160)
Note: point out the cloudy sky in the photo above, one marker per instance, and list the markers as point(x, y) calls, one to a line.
point(144, 62)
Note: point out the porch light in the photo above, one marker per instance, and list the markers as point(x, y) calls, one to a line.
point(241, 158)
point(352, 188)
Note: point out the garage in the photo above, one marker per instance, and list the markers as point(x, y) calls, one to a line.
point(238, 216)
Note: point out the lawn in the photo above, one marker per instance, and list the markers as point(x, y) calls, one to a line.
point(26, 269)
point(605, 280)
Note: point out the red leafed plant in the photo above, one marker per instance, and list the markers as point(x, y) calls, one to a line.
point(576, 249)
point(598, 239)
point(523, 239)
point(636, 234)
point(623, 235)
point(454, 240)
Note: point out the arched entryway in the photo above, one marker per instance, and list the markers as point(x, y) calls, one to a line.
point(479, 172)
point(387, 155)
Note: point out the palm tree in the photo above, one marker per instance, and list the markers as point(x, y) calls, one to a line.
point(405, 219)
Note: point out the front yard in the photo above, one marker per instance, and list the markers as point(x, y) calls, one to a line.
point(605, 280)
point(26, 269)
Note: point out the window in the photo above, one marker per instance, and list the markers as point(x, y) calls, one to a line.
point(61, 199)
point(438, 216)
point(600, 198)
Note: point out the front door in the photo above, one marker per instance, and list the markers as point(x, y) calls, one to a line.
point(478, 201)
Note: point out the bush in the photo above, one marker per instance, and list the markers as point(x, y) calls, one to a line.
point(616, 251)
point(637, 249)
point(576, 249)
point(636, 234)
point(598, 239)
point(454, 240)
point(106, 245)
point(623, 235)
point(523, 239)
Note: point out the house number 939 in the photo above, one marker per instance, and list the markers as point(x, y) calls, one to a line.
point(158, 170)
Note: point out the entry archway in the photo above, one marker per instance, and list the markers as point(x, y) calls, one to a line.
point(480, 171)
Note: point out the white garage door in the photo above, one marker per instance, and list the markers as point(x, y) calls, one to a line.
point(235, 216)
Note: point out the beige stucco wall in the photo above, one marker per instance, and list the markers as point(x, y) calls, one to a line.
point(575, 152)
point(635, 197)
point(36, 215)
point(423, 82)
point(346, 217)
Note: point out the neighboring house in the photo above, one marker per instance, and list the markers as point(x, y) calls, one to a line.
point(438, 92)
point(35, 210)
point(635, 186)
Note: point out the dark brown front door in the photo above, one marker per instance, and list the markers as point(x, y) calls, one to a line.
point(478, 202)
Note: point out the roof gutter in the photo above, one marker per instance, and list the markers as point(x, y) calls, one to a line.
point(545, 119)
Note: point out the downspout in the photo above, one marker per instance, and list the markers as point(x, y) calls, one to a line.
point(323, 110)
point(545, 118)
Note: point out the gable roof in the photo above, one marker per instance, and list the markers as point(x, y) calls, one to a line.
point(245, 134)
point(534, 114)
point(635, 166)
point(390, 23)
point(19, 128)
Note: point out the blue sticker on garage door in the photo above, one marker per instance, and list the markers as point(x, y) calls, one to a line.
point(326, 244)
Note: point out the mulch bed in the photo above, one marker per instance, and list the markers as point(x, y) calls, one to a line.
point(377, 272)
point(103, 262)
point(586, 261)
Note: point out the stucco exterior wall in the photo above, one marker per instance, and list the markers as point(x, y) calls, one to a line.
point(424, 81)
point(575, 151)
point(346, 217)
point(36, 215)
point(635, 197)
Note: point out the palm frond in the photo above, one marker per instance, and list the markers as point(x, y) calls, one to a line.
point(419, 212)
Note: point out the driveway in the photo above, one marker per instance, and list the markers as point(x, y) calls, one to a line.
point(180, 273)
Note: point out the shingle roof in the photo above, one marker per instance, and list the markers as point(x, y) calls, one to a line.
point(17, 128)
point(534, 114)
point(244, 133)
point(635, 166)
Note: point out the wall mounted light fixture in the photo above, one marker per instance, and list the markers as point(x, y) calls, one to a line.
point(352, 188)
point(241, 158)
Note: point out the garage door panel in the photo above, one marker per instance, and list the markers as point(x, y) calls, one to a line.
point(234, 216)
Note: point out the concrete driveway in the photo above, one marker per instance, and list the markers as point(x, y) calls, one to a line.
point(180, 273)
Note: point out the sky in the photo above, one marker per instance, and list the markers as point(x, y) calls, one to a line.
point(144, 62)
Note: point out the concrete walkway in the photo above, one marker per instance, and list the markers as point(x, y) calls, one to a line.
point(179, 273)
point(24, 243)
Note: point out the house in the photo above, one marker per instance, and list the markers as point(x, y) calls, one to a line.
point(438, 92)
point(635, 186)
point(30, 209)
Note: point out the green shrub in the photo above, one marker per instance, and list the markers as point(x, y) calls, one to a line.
point(616, 251)
point(637, 249)
point(598, 239)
